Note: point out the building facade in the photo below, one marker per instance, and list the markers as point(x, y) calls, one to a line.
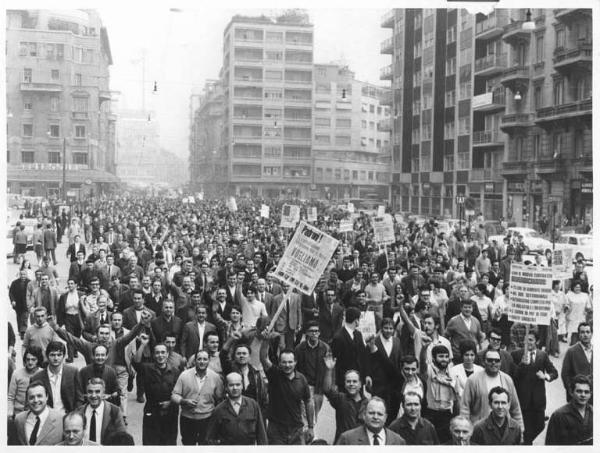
point(59, 114)
point(351, 145)
point(496, 108)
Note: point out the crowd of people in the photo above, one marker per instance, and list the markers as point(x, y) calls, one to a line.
point(410, 343)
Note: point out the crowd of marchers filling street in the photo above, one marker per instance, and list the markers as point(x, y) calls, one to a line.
point(150, 320)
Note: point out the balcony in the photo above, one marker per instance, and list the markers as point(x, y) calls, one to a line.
point(105, 95)
point(487, 138)
point(515, 121)
point(490, 65)
point(549, 117)
point(550, 166)
point(41, 87)
point(79, 115)
point(387, 46)
point(385, 125)
point(569, 15)
point(519, 167)
point(515, 33)
point(517, 75)
point(484, 174)
point(387, 20)
point(387, 72)
point(491, 27)
point(567, 60)
point(489, 102)
point(387, 98)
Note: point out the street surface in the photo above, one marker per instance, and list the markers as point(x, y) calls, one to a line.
point(325, 426)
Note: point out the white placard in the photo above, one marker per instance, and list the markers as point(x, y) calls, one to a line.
point(191, 200)
point(366, 324)
point(290, 216)
point(346, 225)
point(232, 204)
point(311, 214)
point(380, 211)
point(383, 228)
point(305, 258)
point(562, 264)
point(529, 294)
point(200, 196)
point(185, 200)
point(265, 211)
point(350, 207)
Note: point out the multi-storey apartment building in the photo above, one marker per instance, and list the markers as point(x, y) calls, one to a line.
point(497, 108)
point(351, 145)
point(58, 103)
point(267, 79)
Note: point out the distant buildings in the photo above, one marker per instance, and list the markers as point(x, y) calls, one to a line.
point(58, 103)
point(497, 108)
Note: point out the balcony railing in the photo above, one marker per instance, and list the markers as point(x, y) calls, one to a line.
point(386, 72)
point(490, 61)
point(41, 87)
point(583, 52)
point(485, 137)
point(565, 109)
point(387, 20)
point(489, 101)
point(385, 125)
point(483, 174)
point(387, 46)
point(494, 23)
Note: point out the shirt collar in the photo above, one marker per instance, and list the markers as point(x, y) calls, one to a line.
point(59, 374)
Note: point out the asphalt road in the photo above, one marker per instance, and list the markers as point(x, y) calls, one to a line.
point(325, 427)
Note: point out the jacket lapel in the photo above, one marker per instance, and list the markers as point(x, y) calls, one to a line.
point(106, 416)
point(48, 427)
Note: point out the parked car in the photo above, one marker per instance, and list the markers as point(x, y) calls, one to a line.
point(581, 244)
point(531, 239)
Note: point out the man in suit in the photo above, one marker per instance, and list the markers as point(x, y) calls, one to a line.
point(111, 269)
point(133, 314)
point(194, 331)
point(99, 369)
point(50, 243)
point(167, 322)
point(289, 322)
point(61, 381)
point(272, 286)
point(18, 298)
point(94, 320)
point(77, 267)
point(45, 296)
point(352, 287)
point(533, 370)
point(349, 349)
point(578, 358)
point(103, 417)
point(263, 294)
point(40, 425)
point(331, 315)
point(498, 428)
point(373, 432)
point(75, 248)
point(154, 299)
point(68, 313)
point(74, 429)
point(385, 355)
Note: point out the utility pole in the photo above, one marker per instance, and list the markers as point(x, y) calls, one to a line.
point(64, 169)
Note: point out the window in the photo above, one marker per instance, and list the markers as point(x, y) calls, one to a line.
point(27, 75)
point(560, 38)
point(77, 81)
point(372, 125)
point(371, 108)
point(80, 158)
point(578, 144)
point(60, 51)
point(426, 135)
point(449, 163)
point(417, 49)
point(345, 123)
point(583, 88)
point(449, 130)
point(274, 36)
point(414, 164)
point(80, 131)
point(463, 161)
point(55, 74)
point(427, 101)
point(416, 106)
point(342, 140)
point(556, 145)
point(417, 78)
point(465, 90)
point(326, 122)
point(27, 130)
point(539, 48)
point(28, 157)
point(27, 104)
point(518, 148)
point(464, 125)
point(28, 49)
point(54, 130)
point(538, 101)
point(451, 34)
point(272, 151)
point(536, 146)
point(50, 51)
point(559, 92)
point(451, 66)
point(323, 139)
point(54, 103)
point(337, 173)
point(428, 39)
point(363, 124)
point(273, 75)
point(425, 160)
point(88, 56)
point(450, 98)
point(416, 135)
point(53, 157)
point(273, 94)
point(80, 104)
point(428, 72)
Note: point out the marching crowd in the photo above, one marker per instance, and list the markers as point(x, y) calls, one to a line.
point(410, 343)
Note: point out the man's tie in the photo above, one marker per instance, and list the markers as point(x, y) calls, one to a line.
point(102, 320)
point(93, 426)
point(34, 433)
point(376, 439)
point(531, 357)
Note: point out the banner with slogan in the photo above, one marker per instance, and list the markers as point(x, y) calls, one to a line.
point(383, 228)
point(264, 211)
point(562, 264)
point(529, 294)
point(305, 258)
point(311, 214)
point(346, 225)
point(290, 216)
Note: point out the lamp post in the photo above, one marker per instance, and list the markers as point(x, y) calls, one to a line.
point(460, 201)
point(64, 169)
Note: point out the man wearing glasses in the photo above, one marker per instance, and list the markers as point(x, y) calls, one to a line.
point(507, 364)
point(474, 404)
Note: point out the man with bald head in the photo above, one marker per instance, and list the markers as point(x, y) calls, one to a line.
point(237, 420)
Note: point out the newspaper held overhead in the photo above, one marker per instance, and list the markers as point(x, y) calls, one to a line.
point(529, 294)
point(290, 216)
point(305, 258)
point(383, 228)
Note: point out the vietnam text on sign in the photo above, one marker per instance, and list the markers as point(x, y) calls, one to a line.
point(383, 228)
point(529, 292)
point(290, 216)
point(305, 258)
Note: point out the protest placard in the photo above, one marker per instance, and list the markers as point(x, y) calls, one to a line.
point(383, 228)
point(290, 216)
point(529, 294)
point(366, 324)
point(232, 204)
point(380, 211)
point(311, 214)
point(200, 196)
point(305, 258)
point(350, 207)
point(264, 211)
point(346, 225)
point(562, 264)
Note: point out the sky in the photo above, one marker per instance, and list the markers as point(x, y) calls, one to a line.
point(183, 49)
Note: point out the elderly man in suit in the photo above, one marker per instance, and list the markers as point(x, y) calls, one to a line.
point(94, 320)
point(373, 431)
point(40, 425)
point(103, 418)
point(61, 381)
point(192, 337)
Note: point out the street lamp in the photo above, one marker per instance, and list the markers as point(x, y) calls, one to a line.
point(460, 201)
